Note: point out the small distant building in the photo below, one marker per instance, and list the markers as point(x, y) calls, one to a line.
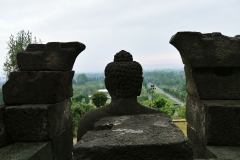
point(103, 90)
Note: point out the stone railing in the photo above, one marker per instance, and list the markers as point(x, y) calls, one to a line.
point(35, 120)
point(212, 71)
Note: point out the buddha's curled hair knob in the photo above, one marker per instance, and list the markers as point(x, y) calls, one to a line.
point(123, 56)
point(123, 76)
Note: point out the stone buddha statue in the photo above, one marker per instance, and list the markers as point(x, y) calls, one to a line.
point(123, 80)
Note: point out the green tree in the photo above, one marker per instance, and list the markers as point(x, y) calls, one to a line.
point(15, 45)
point(182, 112)
point(160, 103)
point(83, 98)
point(99, 99)
point(81, 79)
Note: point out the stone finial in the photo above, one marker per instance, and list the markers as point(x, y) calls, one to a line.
point(123, 76)
point(207, 50)
point(53, 56)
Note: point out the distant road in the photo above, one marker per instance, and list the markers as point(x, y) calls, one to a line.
point(159, 90)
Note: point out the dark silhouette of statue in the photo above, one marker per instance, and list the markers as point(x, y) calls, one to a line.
point(123, 80)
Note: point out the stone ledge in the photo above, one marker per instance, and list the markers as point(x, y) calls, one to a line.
point(203, 151)
point(53, 56)
point(40, 122)
point(27, 151)
point(225, 152)
point(207, 50)
point(148, 136)
point(37, 87)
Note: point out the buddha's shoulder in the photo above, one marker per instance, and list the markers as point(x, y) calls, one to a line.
point(95, 114)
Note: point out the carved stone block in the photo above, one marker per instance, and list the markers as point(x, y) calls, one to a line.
point(203, 151)
point(207, 50)
point(217, 122)
point(37, 87)
point(53, 56)
point(147, 136)
point(29, 151)
point(213, 83)
point(40, 122)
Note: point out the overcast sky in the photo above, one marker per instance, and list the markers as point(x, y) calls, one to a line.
point(141, 27)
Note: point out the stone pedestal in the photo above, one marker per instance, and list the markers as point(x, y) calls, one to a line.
point(212, 71)
point(147, 136)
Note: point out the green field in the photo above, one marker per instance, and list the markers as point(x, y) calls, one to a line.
point(182, 126)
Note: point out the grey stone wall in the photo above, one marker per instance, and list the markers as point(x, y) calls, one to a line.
point(35, 120)
point(212, 71)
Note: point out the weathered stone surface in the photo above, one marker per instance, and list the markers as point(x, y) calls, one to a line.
point(40, 122)
point(199, 147)
point(203, 151)
point(217, 122)
point(53, 56)
point(213, 83)
point(149, 136)
point(63, 144)
point(3, 133)
point(207, 50)
point(225, 152)
point(27, 151)
point(37, 87)
point(195, 115)
point(223, 122)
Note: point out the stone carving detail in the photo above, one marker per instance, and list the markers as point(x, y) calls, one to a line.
point(53, 56)
point(207, 50)
point(124, 82)
point(124, 76)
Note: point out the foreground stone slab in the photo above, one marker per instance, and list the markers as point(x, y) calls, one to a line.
point(40, 122)
point(63, 144)
point(27, 151)
point(3, 133)
point(213, 83)
point(149, 136)
point(37, 87)
point(217, 122)
point(53, 56)
point(207, 50)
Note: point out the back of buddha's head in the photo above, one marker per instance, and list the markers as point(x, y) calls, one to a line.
point(123, 76)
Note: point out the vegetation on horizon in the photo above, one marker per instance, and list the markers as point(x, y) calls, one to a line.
point(85, 85)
